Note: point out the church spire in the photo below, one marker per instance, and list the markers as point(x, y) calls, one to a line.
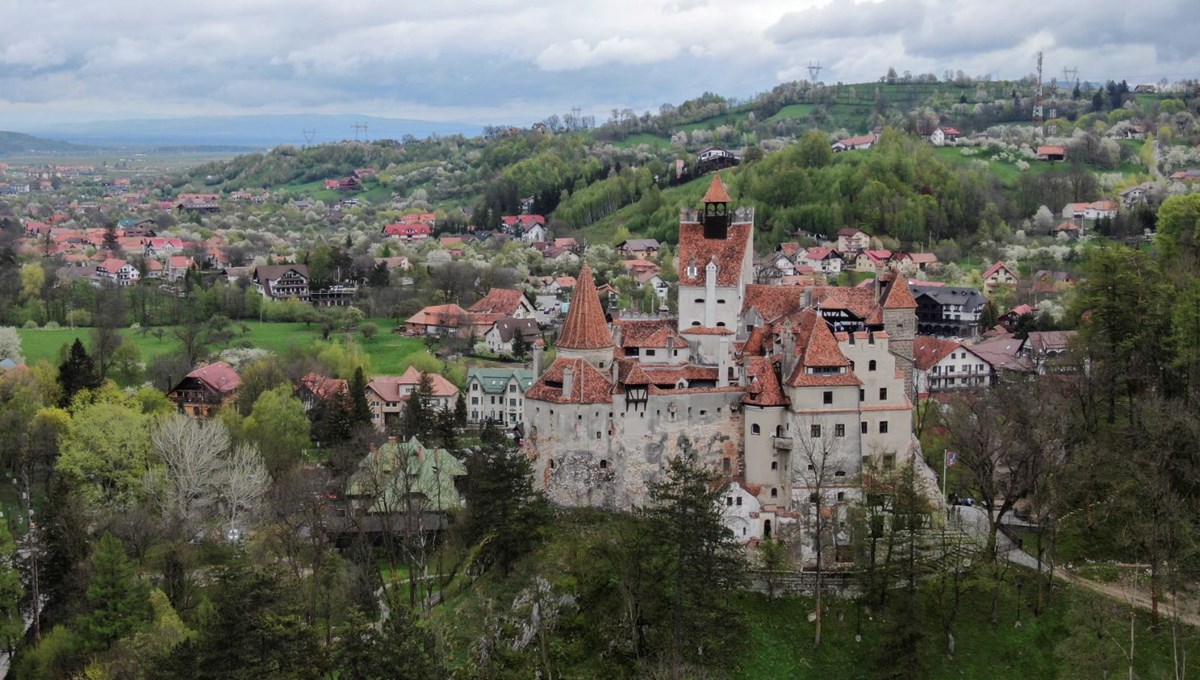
point(716, 210)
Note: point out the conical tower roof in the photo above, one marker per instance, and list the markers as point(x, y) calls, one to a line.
point(585, 327)
point(716, 192)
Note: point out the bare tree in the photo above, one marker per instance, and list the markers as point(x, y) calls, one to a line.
point(818, 458)
point(242, 483)
point(192, 452)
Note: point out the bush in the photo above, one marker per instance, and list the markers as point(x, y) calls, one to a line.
point(51, 326)
point(29, 324)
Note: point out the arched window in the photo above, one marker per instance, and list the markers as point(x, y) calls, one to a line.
point(755, 429)
point(774, 492)
point(871, 365)
point(603, 464)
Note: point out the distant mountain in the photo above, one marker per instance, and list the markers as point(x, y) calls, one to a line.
point(15, 143)
point(262, 131)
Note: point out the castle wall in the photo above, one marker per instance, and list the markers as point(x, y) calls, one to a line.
point(606, 454)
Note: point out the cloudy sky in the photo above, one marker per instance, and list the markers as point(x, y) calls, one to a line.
point(518, 61)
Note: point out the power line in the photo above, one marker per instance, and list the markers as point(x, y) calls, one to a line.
point(814, 71)
point(309, 135)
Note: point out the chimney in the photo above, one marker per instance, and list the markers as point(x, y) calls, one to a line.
point(568, 381)
point(537, 359)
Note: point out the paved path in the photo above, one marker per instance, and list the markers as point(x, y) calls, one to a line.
point(974, 521)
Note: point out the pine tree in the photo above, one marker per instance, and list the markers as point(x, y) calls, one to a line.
point(504, 514)
point(703, 566)
point(119, 602)
point(78, 372)
point(419, 416)
point(12, 591)
point(400, 650)
point(360, 411)
point(111, 243)
point(460, 410)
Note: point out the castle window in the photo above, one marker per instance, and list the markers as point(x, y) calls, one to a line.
point(597, 435)
point(720, 324)
point(774, 465)
point(603, 464)
point(729, 501)
point(883, 427)
point(864, 427)
point(815, 431)
point(840, 473)
point(649, 352)
point(839, 430)
point(774, 492)
point(551, 463)
point(871, 365)
point(703, 413)
point(862, 394)
point(755, 429)
point(882, 394)
point(841, 495)
point(699, 301)
point(720, 302)
point(827, 397)
point(695, 323)
point(739, 502)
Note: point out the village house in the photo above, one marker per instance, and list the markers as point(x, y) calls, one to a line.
point(497, 394)
point(851, 143)
point(505, 302)
point(948, 311)
point(403, 487)
point(409, 232)
point(911, 264)
point(1047, 350)
point(999, 274)
point(944, 135)
point(821, 259)
point(1052, 152)
point(872, 260)
point(201, 393)
point(440, 320)
point(639, 248)
point(500, 336)
point(851, 240)
point(315, 388)
point(116, 272)
point(1046, 281)
point(940, 365)
point(387, 395)
point(282, 281)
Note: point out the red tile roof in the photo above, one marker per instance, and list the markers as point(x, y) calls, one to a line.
point(219, 376)
point(504, 301)
point(928, 350)
point(818, 349)
point(1051, 150)
point(716, 192)
point(323, 386)
point(648, 334)
point(899, 296)
point(764, 388)
point(588, 385)
point(390, 387)
point(771, 302)
point(448, 316)
point(585, 327)
point(997, 267)
point(858, 301)
point(729, 253)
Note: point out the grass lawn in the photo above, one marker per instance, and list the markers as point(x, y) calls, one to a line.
point(389, 352)
point(643, 138)
point(714, 122)
point(792, 111)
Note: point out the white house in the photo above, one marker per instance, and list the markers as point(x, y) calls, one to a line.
point(742, 512)
point(940, 364)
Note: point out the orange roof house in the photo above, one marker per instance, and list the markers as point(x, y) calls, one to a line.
point(202, 392)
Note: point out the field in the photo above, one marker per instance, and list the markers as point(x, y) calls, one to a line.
point(792, 111)
point(388, 351)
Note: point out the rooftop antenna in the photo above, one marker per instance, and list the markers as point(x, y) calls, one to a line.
point(309, 135)
point(814, 71)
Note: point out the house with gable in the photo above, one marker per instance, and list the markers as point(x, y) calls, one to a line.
point(387, 395)
point(202, 392)
point(404, 486)
point(948, 311)
point(497, 394)
point(821, 259)
point(851, 240)
point(504, 301)
point(639, 248)
point(282, 281)
point(852, 143)
point(940, 364)
point(117, 272)
point(999, 274)
point(440, 320)
point(409, 232)
point(501, 335)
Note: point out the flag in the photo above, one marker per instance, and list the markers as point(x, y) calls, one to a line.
point(951, 458)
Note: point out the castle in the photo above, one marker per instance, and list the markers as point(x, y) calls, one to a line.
point(788, 393)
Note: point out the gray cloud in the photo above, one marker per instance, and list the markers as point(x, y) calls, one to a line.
point(521, 60)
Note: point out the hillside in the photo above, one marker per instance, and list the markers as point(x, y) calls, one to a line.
point(13, 143)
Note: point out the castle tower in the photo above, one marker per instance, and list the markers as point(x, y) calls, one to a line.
point(900, 322)
point(716, 216)
point(585, 334)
